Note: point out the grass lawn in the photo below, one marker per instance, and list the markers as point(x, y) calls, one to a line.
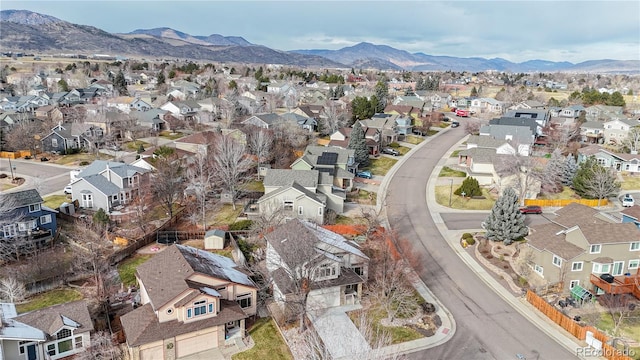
point(566, 193)
point(4, 187)
point(254, 185)
point(398, 334)
point(455, 153)
point(171, 135)
point(630, 328)
point(458, 202)
point(367, 197)
point(432, 132)
point(381, 165)
point(134, 145)
point(127, 268)
point(49, 298)
point(76, 159)
point(630, 182)
point(54, 201)
point(449, 172)
point(268, 343)
point(403, 149)
point(412, 139)
point(226, 215)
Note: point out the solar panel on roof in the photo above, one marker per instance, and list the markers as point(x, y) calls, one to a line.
point(327, 158)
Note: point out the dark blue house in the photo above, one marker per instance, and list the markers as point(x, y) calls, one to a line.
point(24, 222)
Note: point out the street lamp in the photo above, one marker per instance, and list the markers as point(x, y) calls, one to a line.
point(11, 167)
point(450, 191)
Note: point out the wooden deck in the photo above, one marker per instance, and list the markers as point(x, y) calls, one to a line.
point(620, 285)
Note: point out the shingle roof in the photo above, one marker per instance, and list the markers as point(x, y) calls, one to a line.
point(633, 212)
point(547, 237)
point(282, 177)
point(21, 198)
point(101, 183)
point(141, 325)
point(100, 165)
point(312, 152)
point(164, 276)
point(577, 214)
point(52, 318)
point(311, 195)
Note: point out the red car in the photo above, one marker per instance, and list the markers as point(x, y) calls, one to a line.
point(462, 113)
point(531, 210)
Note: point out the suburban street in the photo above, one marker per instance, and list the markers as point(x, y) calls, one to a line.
point(487, 326)
point(48, 178)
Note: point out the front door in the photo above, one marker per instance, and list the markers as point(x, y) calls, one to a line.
point(31, 352)
point(618, 266)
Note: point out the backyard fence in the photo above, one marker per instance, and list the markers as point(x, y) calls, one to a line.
point(14, 154)
point(564, 202)
point(578, 331)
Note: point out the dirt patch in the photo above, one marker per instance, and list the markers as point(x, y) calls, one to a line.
point(496, 257)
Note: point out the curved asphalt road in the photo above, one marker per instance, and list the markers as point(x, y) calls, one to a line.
point(487, 327)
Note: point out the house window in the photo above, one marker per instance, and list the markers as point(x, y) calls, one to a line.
point(574, 283)
point(325, 270)
point(51, 349)
point(634, 264)
point(595, 249)
point(537, 268)
point(359, 270)
point(64, 333)
point(300, 210)
point(602, 162)
point(189, 313)
point(34, 207)
point(45, 219)
point(27, 225)
point(199, 308)
point(601, 268)
point(557, 261)
point(244, 300)
point(54, 143)
point(77, 342)
point(627, 167)
point(9, 230)
point(577, 266)
point(635, 246)
point(288, 205)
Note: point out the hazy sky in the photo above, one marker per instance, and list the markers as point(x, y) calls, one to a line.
point(574, 31)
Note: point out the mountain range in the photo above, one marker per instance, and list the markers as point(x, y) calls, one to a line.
point(27, 31)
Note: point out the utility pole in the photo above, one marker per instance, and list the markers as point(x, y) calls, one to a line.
point(11, 168)
point(450, 191)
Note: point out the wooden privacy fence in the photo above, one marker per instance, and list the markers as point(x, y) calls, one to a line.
point(15, 154)
point(573, 327)
point(564, 202)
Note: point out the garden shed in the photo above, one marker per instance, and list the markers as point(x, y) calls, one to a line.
point(214, 240)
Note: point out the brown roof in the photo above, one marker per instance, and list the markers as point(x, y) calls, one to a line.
point(165, 275)
point(201, 138)
point(633, 211)
point(52, 318)
point(602, 260)
point(607, 233)
point(141, 325)
point(577, 214)
point(548, 237)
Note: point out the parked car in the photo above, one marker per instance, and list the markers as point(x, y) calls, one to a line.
point(364, 174)
point(455, 124)
point(531, 210)
point(628, 200)
point(67, 189)
point(390, 151)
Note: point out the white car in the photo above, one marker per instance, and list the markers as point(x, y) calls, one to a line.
point(67, 189)
point(628, 201)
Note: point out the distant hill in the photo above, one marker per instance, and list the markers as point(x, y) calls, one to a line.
point(27, 31)
point(213, 39)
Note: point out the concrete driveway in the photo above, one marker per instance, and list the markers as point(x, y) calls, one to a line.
point(340, 336)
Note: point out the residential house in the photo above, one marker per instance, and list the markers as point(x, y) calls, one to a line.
point(197, 143)
point(191, 301)
point(528, 105)
point(25, 222)
point(439, 100)
point(340, 138)
point(55, 332)
point(152, 120)
point(108, 185)
point(604, 112)
point(338, 162)
point(67, 137)
point(265, 121)
point(572, 111)
point(290, 194)
point(140, 105)
point(618, 161)
point(520, 137)
point(307, 123)
point(182, 110)
point(384, 124)
point(335, 267)
point(49, 113)
point(631, 215)
point(404, 127)
point(616, 131)
point(536, 125)
point(403, 110)
point(592, 132)
point(582, 244)
point(541, 116)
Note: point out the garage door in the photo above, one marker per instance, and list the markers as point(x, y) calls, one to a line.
point(196, 343)
point(154, 353)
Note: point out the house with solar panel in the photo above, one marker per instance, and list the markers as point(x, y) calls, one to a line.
point(191, 302)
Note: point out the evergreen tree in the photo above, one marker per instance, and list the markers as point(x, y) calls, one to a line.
point(470, 187)
point(382, 91)
point(569, 170)
point(474, 92)
point(161, 80)
point(553, 171)
point(593, 181)
point(505, 222)
point(358, 143)
point(120, 83)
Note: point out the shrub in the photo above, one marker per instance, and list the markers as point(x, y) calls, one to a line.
point(241, 225)
point(467, 235)
point(522, 281)
point(246, 248)
point(84, 163)
point(3, 176)
point(470, 241)
point(140, 149)
point(470, 187)
point(394, 145)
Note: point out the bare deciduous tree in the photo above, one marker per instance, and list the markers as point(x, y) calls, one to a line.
point(472, 126)
point(231, 163)
point(12, 290)
point(632, 141)
point(167, 184)
point(103, 346)
point(519, 172)
point(602, 183)
point(331, 119)
point(260, 143)
point(199, 182)
point(21, 136)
